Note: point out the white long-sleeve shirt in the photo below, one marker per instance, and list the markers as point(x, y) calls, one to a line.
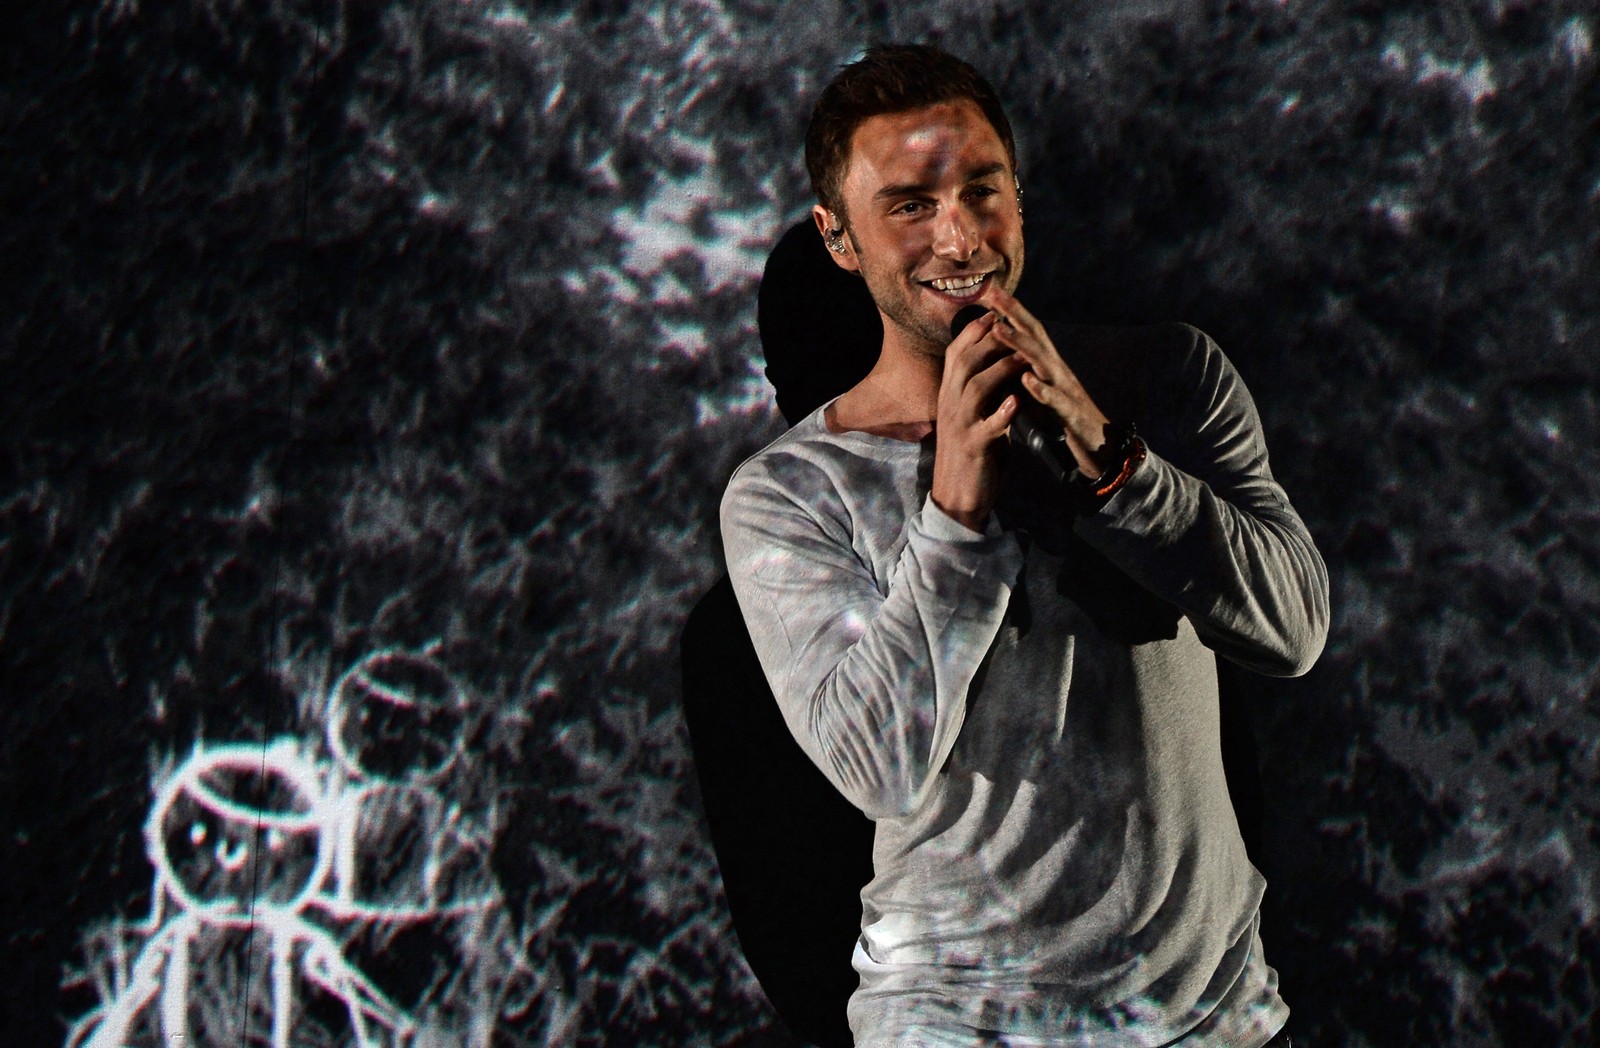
point(1030, 715)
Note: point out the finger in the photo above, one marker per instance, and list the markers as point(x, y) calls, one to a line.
point(1021, 327)
point(999, 421)
point(980, 323)
point(986, 382)
point(974, 332)
point(966, 357)
point(979, 397)
point(1001, 301)
point(1044, 392)
point(1041, 360)
point(1037, 348)
point(1015, 316)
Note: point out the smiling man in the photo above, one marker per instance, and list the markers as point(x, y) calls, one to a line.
point(1010, 673)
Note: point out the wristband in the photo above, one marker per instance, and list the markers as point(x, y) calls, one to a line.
point(1104, 488)
point(1131, 449)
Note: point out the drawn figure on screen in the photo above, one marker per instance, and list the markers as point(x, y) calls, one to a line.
point(396, 725)
point(309, 886)
point(239, 838)
point(412, 842)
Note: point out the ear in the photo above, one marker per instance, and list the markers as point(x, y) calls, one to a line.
point(840, 247)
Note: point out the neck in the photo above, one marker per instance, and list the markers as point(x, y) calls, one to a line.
point(898, 398)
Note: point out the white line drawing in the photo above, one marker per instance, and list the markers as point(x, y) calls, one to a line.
point(395, 726)
point(238, 837)
point(275, 869)
point(397, 717)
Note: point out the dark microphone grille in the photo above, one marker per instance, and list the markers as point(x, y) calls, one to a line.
point(964, 316)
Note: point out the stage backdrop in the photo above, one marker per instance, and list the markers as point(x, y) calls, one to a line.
point(372, 372)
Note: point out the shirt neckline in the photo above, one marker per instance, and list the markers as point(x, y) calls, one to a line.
point(820, 419)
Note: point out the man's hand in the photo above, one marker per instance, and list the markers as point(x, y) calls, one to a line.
point(1049, 381)
point(966, 461)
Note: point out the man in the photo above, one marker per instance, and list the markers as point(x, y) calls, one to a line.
point(1010, 674)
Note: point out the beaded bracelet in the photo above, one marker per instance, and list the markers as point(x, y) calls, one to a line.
point(1133, 451)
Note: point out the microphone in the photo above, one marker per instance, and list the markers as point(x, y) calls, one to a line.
point(1033, 426)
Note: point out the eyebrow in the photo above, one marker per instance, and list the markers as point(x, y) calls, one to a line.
point(906, 188)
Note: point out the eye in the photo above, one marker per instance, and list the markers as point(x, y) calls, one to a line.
point(910, 209)
point(232, 854)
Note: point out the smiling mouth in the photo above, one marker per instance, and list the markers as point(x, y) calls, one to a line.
point(959, 287)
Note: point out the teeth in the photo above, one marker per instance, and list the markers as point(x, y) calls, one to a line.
point(957, 283)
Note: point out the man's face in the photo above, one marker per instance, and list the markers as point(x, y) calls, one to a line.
point(932, 217)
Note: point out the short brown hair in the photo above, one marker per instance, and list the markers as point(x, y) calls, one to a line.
point(889, 78)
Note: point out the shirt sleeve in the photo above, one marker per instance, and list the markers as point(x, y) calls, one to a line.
point(871, 676)
point(1218, 538)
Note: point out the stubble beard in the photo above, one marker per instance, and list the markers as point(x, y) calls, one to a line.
point(896, 301)
point(923, 331)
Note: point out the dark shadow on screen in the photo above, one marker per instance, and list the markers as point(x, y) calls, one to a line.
point(794, 854)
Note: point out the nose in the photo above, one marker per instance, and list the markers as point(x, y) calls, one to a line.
point(956, 236)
